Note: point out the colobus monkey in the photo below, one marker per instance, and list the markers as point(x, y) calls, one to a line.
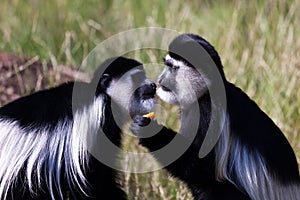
point(251, 159)
point(43, 136)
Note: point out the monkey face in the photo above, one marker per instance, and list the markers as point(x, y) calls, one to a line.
point(180, 83)
point(142, 101)
point(133, 92)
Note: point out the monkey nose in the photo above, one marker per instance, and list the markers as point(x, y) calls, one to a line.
point(153, 85)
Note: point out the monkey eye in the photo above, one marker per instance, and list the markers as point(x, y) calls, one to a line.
point(170, 64)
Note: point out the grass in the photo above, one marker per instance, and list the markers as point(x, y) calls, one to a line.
point(258, 41)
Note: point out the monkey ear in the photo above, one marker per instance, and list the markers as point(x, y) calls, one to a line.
point(105, 81)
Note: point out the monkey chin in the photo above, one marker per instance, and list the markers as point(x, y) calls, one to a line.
point(144, 106)
point(148, 105)
point(166, 96)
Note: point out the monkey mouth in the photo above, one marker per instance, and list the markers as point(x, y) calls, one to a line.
point(167, 95)
point(149, 93)
point(164, 88)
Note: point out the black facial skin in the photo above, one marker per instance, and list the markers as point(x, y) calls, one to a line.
point(143, 93)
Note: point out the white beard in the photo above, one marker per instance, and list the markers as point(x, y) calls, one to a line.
point(166, 96)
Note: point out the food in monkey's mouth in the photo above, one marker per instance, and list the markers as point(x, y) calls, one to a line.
point(149, 115)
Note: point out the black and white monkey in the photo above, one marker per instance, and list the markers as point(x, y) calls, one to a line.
point(251, 159)
point(43, 136)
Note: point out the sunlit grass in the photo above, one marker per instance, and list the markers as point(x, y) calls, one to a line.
point(258, 41)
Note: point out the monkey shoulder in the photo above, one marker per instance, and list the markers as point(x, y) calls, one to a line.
point(245, 114)
point(46, 106)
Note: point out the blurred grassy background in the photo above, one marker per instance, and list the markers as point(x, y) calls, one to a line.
point(258, 41)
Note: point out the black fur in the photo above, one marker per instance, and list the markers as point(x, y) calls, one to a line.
point(48, 108)
point(248, 125)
